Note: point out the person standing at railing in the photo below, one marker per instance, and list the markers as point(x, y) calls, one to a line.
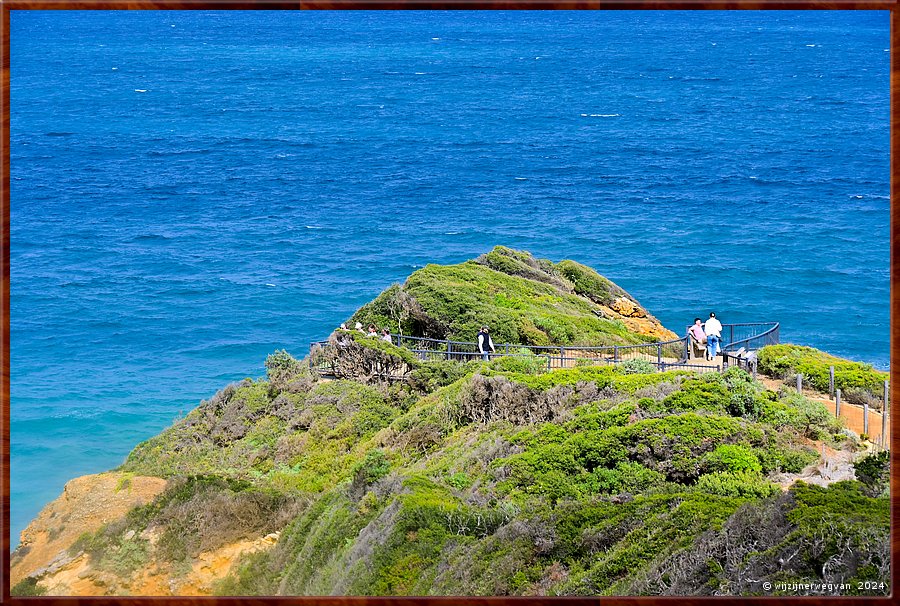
point(485, 344)
point(713, 330)
point(386, 335)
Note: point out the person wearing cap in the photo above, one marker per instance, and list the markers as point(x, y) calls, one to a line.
point(359, 327)
point(485, 345)
point(713, 330)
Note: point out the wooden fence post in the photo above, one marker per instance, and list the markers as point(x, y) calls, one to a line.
point(753, 364)
point(837, 402)
point(799, 383)
point(866, 419)
point(831, 380)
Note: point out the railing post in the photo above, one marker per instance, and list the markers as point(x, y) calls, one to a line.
point(799, 383)
point(615, 353)
point(837, 402)
point(658, 353)
point(449, 350)
point(732, 333)
point(831, 380)
point(753, 365)
point(507, 349)
point(562, 356)
point(549, 358)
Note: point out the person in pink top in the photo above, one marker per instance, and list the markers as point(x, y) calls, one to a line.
point(698, 337)
point(697, 331)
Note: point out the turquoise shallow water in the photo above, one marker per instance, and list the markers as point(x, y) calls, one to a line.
point(192, 190)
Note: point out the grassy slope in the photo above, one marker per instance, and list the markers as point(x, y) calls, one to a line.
point(578, 481)
point(522, 299)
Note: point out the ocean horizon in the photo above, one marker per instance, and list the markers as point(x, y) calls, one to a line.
point(193, 190)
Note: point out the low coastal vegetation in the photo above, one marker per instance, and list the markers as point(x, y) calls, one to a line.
point(859, 383)
point(523, 299)
point(500, 477)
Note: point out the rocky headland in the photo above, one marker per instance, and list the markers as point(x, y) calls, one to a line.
point(481, 478)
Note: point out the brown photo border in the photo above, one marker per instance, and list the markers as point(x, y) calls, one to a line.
point(7, 5)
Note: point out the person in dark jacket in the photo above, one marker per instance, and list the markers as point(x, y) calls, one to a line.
point(485, 345)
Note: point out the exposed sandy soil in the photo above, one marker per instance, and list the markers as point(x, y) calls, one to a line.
point(77, 577)
point(86, 504)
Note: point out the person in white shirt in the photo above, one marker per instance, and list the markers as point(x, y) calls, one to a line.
point(713, 330)
point(386, 335)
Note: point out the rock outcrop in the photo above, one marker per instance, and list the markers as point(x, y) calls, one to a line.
point(86, 504)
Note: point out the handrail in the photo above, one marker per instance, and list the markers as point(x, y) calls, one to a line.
point(458, 349)
point(770, 335)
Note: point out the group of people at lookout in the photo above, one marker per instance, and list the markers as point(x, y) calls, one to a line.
point(384, 335)
point(707, 333)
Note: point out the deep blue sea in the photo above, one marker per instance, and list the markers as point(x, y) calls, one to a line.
point(193, 190)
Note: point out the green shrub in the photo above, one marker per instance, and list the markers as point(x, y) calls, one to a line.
point(281, 366)
point(809, 418)
point(782, 458)
point(602, 376)
point(860, 396)
point(637, 366)
point(433, 375)
point(733, 458)
point(253, 394)
point(874, 472)
point(590, 418)
point(372, 416)
point(374, 466)
point(705, 392)
point(589, 283)
point(627, 477)
point(265, 432)
point(27, 587)
point(459, 480)
point(746, 484)
point(383, 346)
point(523, 361)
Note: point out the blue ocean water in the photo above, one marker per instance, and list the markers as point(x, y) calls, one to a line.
point(193, 190)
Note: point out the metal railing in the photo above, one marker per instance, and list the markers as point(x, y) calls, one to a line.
point(748, 335)
point(665, 355)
